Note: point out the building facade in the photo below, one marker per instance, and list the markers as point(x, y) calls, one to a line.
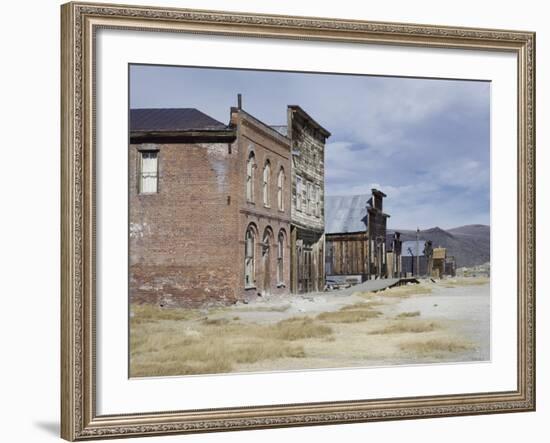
point(209, 208)
point(308, 140)
point(376, 224)
point(345, 260)
point(394, 262)
point(264, 206)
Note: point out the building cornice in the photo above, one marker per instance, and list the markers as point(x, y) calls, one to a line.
point(264, 215)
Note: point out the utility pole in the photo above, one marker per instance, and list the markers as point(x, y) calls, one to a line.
point(417, 253)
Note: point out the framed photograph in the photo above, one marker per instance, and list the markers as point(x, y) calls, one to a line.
point(275, 221)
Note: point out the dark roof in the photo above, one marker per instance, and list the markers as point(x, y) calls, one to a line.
point(172, 120)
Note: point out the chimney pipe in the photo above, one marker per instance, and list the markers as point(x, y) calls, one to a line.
point(239, 101)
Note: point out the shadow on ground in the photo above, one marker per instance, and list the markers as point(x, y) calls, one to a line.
point(50, 427)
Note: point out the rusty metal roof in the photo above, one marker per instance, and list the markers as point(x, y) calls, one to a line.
point(172, 120)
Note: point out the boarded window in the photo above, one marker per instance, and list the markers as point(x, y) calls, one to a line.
point(280, 190)
point(148, 172)
point(249, 257)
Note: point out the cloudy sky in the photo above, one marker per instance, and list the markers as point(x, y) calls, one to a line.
point(424, 142)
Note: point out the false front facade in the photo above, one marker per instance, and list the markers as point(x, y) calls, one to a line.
point(307, 189)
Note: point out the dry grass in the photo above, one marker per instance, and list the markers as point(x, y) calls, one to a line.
point(355, 313)
point(467, 281)
point(148, 313)
point(215, 321)
point(170, 346)
point(362, 305)
point(406, 290)
point(436, 346)
point(297, 328)
point(406, 326)
point(409, 314)
point(348, 316)
point(282, 308)
point(403, 291)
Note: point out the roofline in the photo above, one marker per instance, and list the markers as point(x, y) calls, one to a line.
point(283, 139)
point(346, 233)
point(377, 192)
point(305, 115)
point(227, 135)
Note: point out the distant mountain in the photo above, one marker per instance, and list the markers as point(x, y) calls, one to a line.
point(470, 244)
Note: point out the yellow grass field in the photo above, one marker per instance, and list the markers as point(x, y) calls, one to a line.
point(362, 329)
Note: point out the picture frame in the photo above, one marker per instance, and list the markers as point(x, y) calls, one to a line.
point(79, 178)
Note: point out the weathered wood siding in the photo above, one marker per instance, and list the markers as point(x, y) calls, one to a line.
point(346, 253)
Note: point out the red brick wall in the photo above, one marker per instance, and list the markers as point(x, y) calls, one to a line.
point(267, 144)
point(187, 242)
point(182, 239)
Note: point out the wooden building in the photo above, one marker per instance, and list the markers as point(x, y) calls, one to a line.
point(307, 138)
point(361, 255)
point(376, 223)
point(346, 254)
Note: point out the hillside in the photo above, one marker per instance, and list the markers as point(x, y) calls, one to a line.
point(470, 244)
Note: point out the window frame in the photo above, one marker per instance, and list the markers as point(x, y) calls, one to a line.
point(281, 178)
point(280, 259)
point(299, 185)
point(250, 173)
point(250, 231)
point(140, 174)
point(266, 184)
point(308, 197)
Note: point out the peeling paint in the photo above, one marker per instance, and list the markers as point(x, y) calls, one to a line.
point(138, 230)
point(217, 157)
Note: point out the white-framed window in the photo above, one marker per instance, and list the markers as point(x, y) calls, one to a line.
point(280, 258)
point(249, 262)
point(266, 183)
point(299, 193)
point(280, 190)
point(250, 168)
point(148, 172)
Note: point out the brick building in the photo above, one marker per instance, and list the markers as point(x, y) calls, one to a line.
point(209, 208)
point(307, 189)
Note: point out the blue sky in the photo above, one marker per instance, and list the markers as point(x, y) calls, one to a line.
point(424, 142)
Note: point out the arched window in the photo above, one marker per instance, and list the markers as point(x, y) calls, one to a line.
point(250, 167)
point(249, 264)
point(266, 182)
point(280, 190)
point(280, 258)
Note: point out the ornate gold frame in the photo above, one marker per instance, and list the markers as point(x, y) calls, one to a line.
point(79, 23)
